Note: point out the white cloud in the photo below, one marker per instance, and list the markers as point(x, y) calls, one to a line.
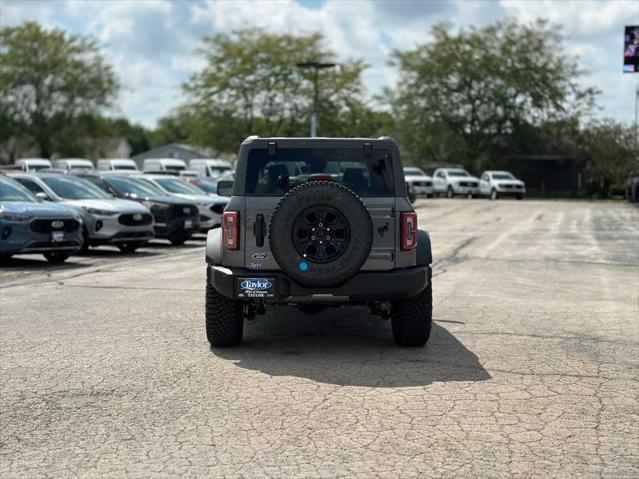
point(152, 43)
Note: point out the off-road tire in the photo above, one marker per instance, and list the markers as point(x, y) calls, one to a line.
point(224, 319)
point(520, 197)
point(450, 193)
point(86, 241)
point(179, 239)
point(355, 254)
point(412, 318)
point(56, 257)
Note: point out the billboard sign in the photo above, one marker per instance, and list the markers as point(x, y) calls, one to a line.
point(631, 49)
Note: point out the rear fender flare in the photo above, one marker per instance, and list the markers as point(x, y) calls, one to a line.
point(424, 253)
point(214, 246)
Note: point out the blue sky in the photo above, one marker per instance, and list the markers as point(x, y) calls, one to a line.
point(151, 43)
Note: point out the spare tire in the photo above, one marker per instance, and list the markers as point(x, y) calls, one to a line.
point(321, 234)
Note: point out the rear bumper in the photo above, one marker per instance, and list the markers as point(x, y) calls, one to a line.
point(368, 285)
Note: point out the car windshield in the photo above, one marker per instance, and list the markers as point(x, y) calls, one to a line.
point(413, 172)
point(38, 167)
point(218, 170)
point(208, 186)
point(174, 168)
point(274, 175)
point(13, 191)
point(134, 187)
point(124, 167)
point(457, 173)
point(503, 176)
point(74, 189)
point(178, 186)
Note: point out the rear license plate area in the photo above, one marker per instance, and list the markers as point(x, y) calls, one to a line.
point(254, 287)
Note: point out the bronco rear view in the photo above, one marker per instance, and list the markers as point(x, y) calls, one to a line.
point(317, 222)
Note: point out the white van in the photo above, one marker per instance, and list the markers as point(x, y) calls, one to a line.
point(33, 164)
point(73, 164)
point(117, 164)
point(210, 167)
point(169, 165)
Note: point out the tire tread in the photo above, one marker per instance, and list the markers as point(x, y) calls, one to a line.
point(224, 321)
point(412, 318)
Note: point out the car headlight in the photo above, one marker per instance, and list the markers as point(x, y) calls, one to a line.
point(14, 217)
point(97, 211)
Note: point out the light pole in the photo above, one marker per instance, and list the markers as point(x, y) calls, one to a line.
point(316, 66)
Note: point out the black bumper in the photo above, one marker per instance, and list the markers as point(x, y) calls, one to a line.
point(369, 285)
point(173, 228)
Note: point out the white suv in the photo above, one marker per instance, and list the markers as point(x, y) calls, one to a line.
point(455, 181)
point(501, 183)
point(421, 183)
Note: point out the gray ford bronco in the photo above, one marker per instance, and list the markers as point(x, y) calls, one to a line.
point(317, 222)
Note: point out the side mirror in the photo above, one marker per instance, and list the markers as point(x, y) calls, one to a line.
point(41, 195)
point(225, 188)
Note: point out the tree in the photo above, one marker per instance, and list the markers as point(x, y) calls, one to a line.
point(251, 85)
point(608, 148)
point(49, 78)
point(460, 94)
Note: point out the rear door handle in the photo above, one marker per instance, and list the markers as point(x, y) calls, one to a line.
point(259, 230)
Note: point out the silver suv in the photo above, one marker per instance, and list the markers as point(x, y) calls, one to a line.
point(317, 222)
point(106, 220)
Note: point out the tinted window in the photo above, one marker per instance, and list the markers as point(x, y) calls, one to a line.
point(133, 187)
point(74, 189)
point(124, 167)
point(208, 186)
point(413, 172)
point(503, 176)
point(179, 186)
point(275, 175)
point(31, 185)
point(458, 173)
point(13, 191)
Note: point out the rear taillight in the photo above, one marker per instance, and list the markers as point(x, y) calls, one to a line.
point(409, 230)
point(231, 230)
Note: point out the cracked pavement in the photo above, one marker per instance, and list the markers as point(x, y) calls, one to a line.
point(531, 371)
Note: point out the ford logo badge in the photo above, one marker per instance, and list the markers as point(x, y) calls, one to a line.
point(259, 256)
point(137, 217)
point(57, 224)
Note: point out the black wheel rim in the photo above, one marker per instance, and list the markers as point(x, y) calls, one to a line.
point(320, 234)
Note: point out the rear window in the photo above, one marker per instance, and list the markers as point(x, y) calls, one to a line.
point(275, 175)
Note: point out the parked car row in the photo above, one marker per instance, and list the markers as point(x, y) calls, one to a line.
point(204, 167)
point(451, 182)
point(59, 213)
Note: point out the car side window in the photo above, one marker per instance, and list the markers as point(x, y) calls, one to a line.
point(30, 185)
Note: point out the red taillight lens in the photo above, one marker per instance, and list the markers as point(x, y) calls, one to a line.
point(231, 230)
point(409, 230)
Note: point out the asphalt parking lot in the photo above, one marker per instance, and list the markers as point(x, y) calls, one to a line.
point(532, 369)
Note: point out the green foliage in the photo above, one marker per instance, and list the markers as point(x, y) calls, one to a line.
point(459, 95)
point(251, 85)
point(610, 152)
point(49, 79)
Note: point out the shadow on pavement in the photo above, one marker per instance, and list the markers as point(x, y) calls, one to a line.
point(38, 262)
point(349, 347)
point(167, 245)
